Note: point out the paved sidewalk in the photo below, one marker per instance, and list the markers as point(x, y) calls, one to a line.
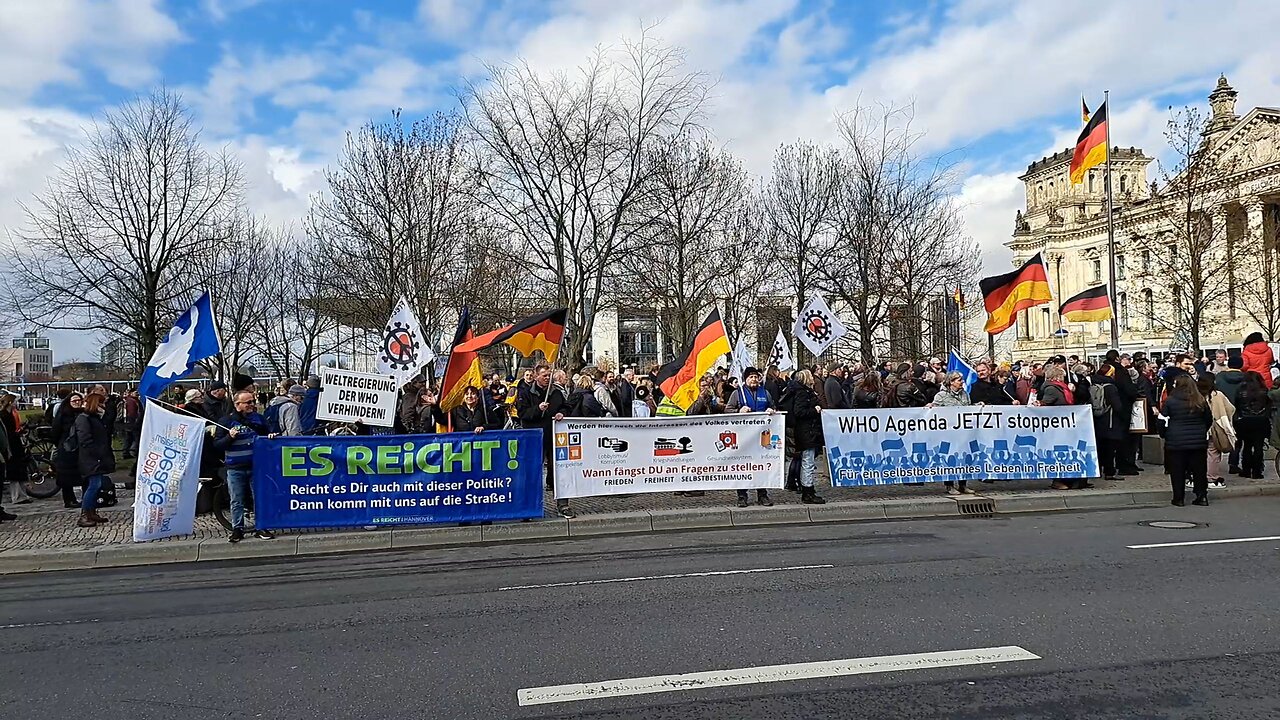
point(44, 525)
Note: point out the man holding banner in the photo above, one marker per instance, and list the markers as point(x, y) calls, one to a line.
point(537, 406)
point(235, 436)
point(752, 398)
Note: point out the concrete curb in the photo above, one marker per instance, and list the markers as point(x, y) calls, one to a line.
point(212, 549)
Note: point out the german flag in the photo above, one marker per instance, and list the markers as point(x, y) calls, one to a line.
point(463, 368)
point(1004, 295)
point(958, 297)
point(1092, 305)
point(542, 332)
point(1091, 146)
point(679, 378)
point(1084, 110)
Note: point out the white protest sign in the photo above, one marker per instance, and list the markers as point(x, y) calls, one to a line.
point(347, 396)
point(616, 456)
point(168, 475)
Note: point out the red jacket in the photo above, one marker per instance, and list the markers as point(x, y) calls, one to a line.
point(1258, 357)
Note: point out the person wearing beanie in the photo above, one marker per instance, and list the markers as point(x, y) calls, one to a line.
point(282, 413)
point(216, 402)
point(1257, 357)
point(752, 397)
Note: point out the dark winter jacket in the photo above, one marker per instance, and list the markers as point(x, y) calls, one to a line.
point(238, 451)
point(66, 463)
point(215, 408)
point(1228, 383)
point(1114, 425)
point(96, 455)
point(465, 419)
point(705, 404)
point(909, 394)
point(800, 403)
point(307, 409)
point(989, 393)
point(582, 403)
point(1252, 404)
point(1188, 428)
point(528, 398)
point(834, 391)
point(866, 399)
point(1056, 394)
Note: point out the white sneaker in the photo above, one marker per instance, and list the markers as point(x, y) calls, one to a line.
point(1217, 484)
point(952, 491)
point(1191, 485)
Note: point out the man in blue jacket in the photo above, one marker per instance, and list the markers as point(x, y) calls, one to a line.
point(310, 403)
point(235, 437)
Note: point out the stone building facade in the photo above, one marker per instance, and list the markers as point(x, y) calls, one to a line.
point(1068, 223)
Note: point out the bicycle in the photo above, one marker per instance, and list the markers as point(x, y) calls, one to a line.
point(41, 479)
point(221, 501)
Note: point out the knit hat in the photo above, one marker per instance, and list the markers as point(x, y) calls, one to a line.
point(1235, 362)
point(192, 394)
point(217, 385)
point(751, 371)
point(297, 390)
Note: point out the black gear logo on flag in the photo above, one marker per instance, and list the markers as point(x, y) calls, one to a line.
point(400, 347)
point(817, 325)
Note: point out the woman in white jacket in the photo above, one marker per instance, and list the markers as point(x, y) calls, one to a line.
point(1221, 433)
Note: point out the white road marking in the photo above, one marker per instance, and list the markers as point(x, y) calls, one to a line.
point(663, 577)
point(1203, 542)
point(45, 624)
point(770, 673)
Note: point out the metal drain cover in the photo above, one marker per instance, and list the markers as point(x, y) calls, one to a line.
point(1172, 525)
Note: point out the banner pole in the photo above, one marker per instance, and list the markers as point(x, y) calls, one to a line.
point(188, 413)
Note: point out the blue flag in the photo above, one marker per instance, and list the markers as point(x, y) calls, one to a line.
point(193, 338)
point(955, 363)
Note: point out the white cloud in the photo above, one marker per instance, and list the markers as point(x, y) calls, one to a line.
point(52, 41)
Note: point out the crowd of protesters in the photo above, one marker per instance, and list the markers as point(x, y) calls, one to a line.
point(1206, 408)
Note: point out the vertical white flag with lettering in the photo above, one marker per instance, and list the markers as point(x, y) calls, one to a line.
point(741, 359)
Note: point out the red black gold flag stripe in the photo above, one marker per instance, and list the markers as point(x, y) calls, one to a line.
point(541, 332)
point(1004, 295)
point(1084, 110)
point(1092, 305)
point(1091, 146)
point(463, 368)
point(679, 378)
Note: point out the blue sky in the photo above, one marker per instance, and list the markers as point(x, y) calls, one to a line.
point(995, 83)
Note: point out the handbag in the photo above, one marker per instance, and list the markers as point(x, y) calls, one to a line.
point(1223, 435)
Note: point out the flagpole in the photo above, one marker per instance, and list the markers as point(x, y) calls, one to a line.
point(188, 412)
point(1111, 231)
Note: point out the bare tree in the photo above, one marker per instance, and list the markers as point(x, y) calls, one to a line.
point(689, 244)
point(394, 218)
point(238, 282)
point(1185, 254)
point(561, 163)
point(123, 235)
point(300, 323)
point(799, 203)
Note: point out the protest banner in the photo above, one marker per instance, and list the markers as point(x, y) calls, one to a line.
point(168, 474)
point(353, 481)
point(881, 447)
point(347, 396)
point(615, 456)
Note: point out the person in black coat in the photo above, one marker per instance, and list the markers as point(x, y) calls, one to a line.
point(988, 390)
point(1186, 440)
point(1112, 427)
point(1127, 389)
point(536, 407)
point(474, 414)
point(97, 459)
point(800, 402)
point(66, 460)
point(833, 388)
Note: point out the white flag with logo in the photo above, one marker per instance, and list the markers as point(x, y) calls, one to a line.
point(741, 359)
point(168, 474)
point(817, 326)
point(780, 356)
point(403, 351)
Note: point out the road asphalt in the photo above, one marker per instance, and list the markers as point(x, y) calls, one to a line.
point(1087, 625)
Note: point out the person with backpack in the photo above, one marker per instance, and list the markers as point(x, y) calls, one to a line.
point(1253, 423)
point(283, 416)
point(584, 402)
point(1110, 421)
